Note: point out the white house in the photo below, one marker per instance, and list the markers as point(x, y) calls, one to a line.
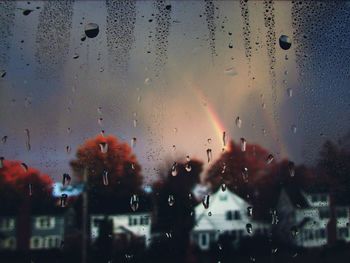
point(304, 218)
point(227, 214)
point(126, 225)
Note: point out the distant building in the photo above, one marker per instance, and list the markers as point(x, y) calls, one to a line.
point(305, 218)
point(8, 240)
point(227, 214)
point(125, 227)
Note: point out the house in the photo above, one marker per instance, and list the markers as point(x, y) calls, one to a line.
point(47, 231)
point(227, 214)
point(305, 218)
point(125, 226)
point(8, 240)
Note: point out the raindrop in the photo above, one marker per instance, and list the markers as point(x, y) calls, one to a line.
point(133, 166)
point(209, 140)
point(68, 149)
point(171, 200)
point(243, 144)
point(269, 159)
point(100, 121)
point(294, 231)
point(290, 92)
point(99, 110)
point(133, 142)
point(209, 213)
point(92, 30)
point(30, 188)
point(274, 250)
point(105, 177)
point(174, 169)
point(293, 128)
point(66, 179)
point(135, 123)
point(75, 56)
point(224, 138)
point(249, 228)
point(285, 42)
point(104, 147)
point(209, 155)
point(27, 12)
point(4, 139)
point(63, 201)
point(274, 217)
point(27, 139)
point(188, 167)
point(223, 187)
point(245, 174)
point(205, 201)
point(168, 234)
point(174, 147)
point(238, 122)
point(83, 37)
point(25, 167)
point(69, 130)
point(148, 81)
point(291, 168)
point(250, 211)
point(2, 73)
point(134, 202)
point(230, 72)
point(223, 168)
point(188, 158)
point(2, 162)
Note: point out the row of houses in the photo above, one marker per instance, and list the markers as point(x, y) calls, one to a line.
point(301, 218)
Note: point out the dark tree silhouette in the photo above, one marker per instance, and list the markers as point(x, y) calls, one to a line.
point(173, 221)
point(119, 167)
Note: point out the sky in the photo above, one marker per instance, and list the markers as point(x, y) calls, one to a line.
point(174, 77)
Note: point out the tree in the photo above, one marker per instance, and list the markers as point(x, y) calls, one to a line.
point(174, 217)
point(113, 172)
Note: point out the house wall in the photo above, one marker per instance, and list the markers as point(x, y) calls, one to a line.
point(8, 233)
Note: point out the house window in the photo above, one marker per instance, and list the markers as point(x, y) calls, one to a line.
point(133, 221)
point(9, 243)
point(7, 224)
point(223, 197)
point(322, 233)
point(343, 232)
point(324, 213)
point(204, 239)
point(144, 220)
point(233, 215)
point(341, 212)
point(45, 222)
point(324, 198)
point(36, 242)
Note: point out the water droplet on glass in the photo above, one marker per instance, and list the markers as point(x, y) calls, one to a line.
point(25, 167)
point(223, 168)
point(4, 139)
point(238, 122)
point(243, 144)
point(291, 168)
point(174, 169)
point(205, 201)
point(133, 142)
point(66, 179)
point(249, 228)
point(269, 159)
point(223, 187)
point(30, 189)
point(285, 42)
point(290, 92)
point(27, 12)
point(274, 217)
point(105, 177)
point(148, 81)
point(134, 202)
point(188, 167)
point(91, 30)
point(68, 149)
point(209, 155)
point(63, 201)
point(69, 130)
point(99, 110)
point(209, 213)
point(245, 174)
point(250, 211)
point(230, 72)
point(174, 147)
point(224, 138)
point(103, 147)
point(133, 166)
point(28, 146)
point(135, 123)
point(293, 128)
point(2, 73)
point(100, 121)
point(209, 141)
point(171, 200)
point(294, 231)
point(2, 162)
point(75, 56)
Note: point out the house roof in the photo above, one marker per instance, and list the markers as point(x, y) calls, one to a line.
point(296, 197)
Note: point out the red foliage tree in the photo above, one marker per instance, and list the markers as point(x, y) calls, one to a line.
point(118, 164)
